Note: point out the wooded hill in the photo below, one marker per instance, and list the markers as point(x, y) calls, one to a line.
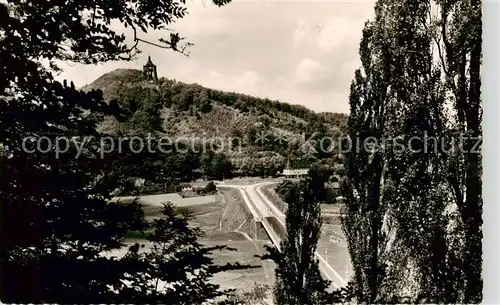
point(258, 133)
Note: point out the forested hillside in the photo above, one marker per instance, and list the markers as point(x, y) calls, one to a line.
point(252, 136)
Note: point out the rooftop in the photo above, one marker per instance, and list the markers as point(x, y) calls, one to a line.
point(149, 63)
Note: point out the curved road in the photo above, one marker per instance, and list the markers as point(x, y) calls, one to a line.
point(261, 207)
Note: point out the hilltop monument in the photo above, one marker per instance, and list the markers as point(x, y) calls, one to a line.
point(149, 70)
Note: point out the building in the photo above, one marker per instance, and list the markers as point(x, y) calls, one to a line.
point(299, 172)
point(290, 172)
point(149, 70)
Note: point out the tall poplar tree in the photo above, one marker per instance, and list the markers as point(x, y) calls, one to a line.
point(459, 35)
point(369, 105)
point(413, 218)
point(298, 278)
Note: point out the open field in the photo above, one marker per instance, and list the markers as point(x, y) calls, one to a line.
point(225, 220)
point(247, 252)
point(228, 222)
point(175, 198)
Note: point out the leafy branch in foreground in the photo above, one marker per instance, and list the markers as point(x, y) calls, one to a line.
point(56, 217)
point(175, 269)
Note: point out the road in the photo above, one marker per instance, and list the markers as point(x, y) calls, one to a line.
point(261, 208)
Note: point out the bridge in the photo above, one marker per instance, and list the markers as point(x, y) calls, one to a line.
point(274, 222)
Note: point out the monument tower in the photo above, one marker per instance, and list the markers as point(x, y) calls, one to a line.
point(150, 70)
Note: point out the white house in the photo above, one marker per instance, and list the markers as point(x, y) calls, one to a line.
point(288, 172)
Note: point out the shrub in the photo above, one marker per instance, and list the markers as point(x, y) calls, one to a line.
point(210, 188)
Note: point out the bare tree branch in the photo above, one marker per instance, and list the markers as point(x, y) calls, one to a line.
point(171, 44)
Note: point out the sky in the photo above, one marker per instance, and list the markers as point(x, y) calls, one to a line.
point(299, 52)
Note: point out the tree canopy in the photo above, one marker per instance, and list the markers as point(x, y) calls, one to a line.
point(57, 219)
